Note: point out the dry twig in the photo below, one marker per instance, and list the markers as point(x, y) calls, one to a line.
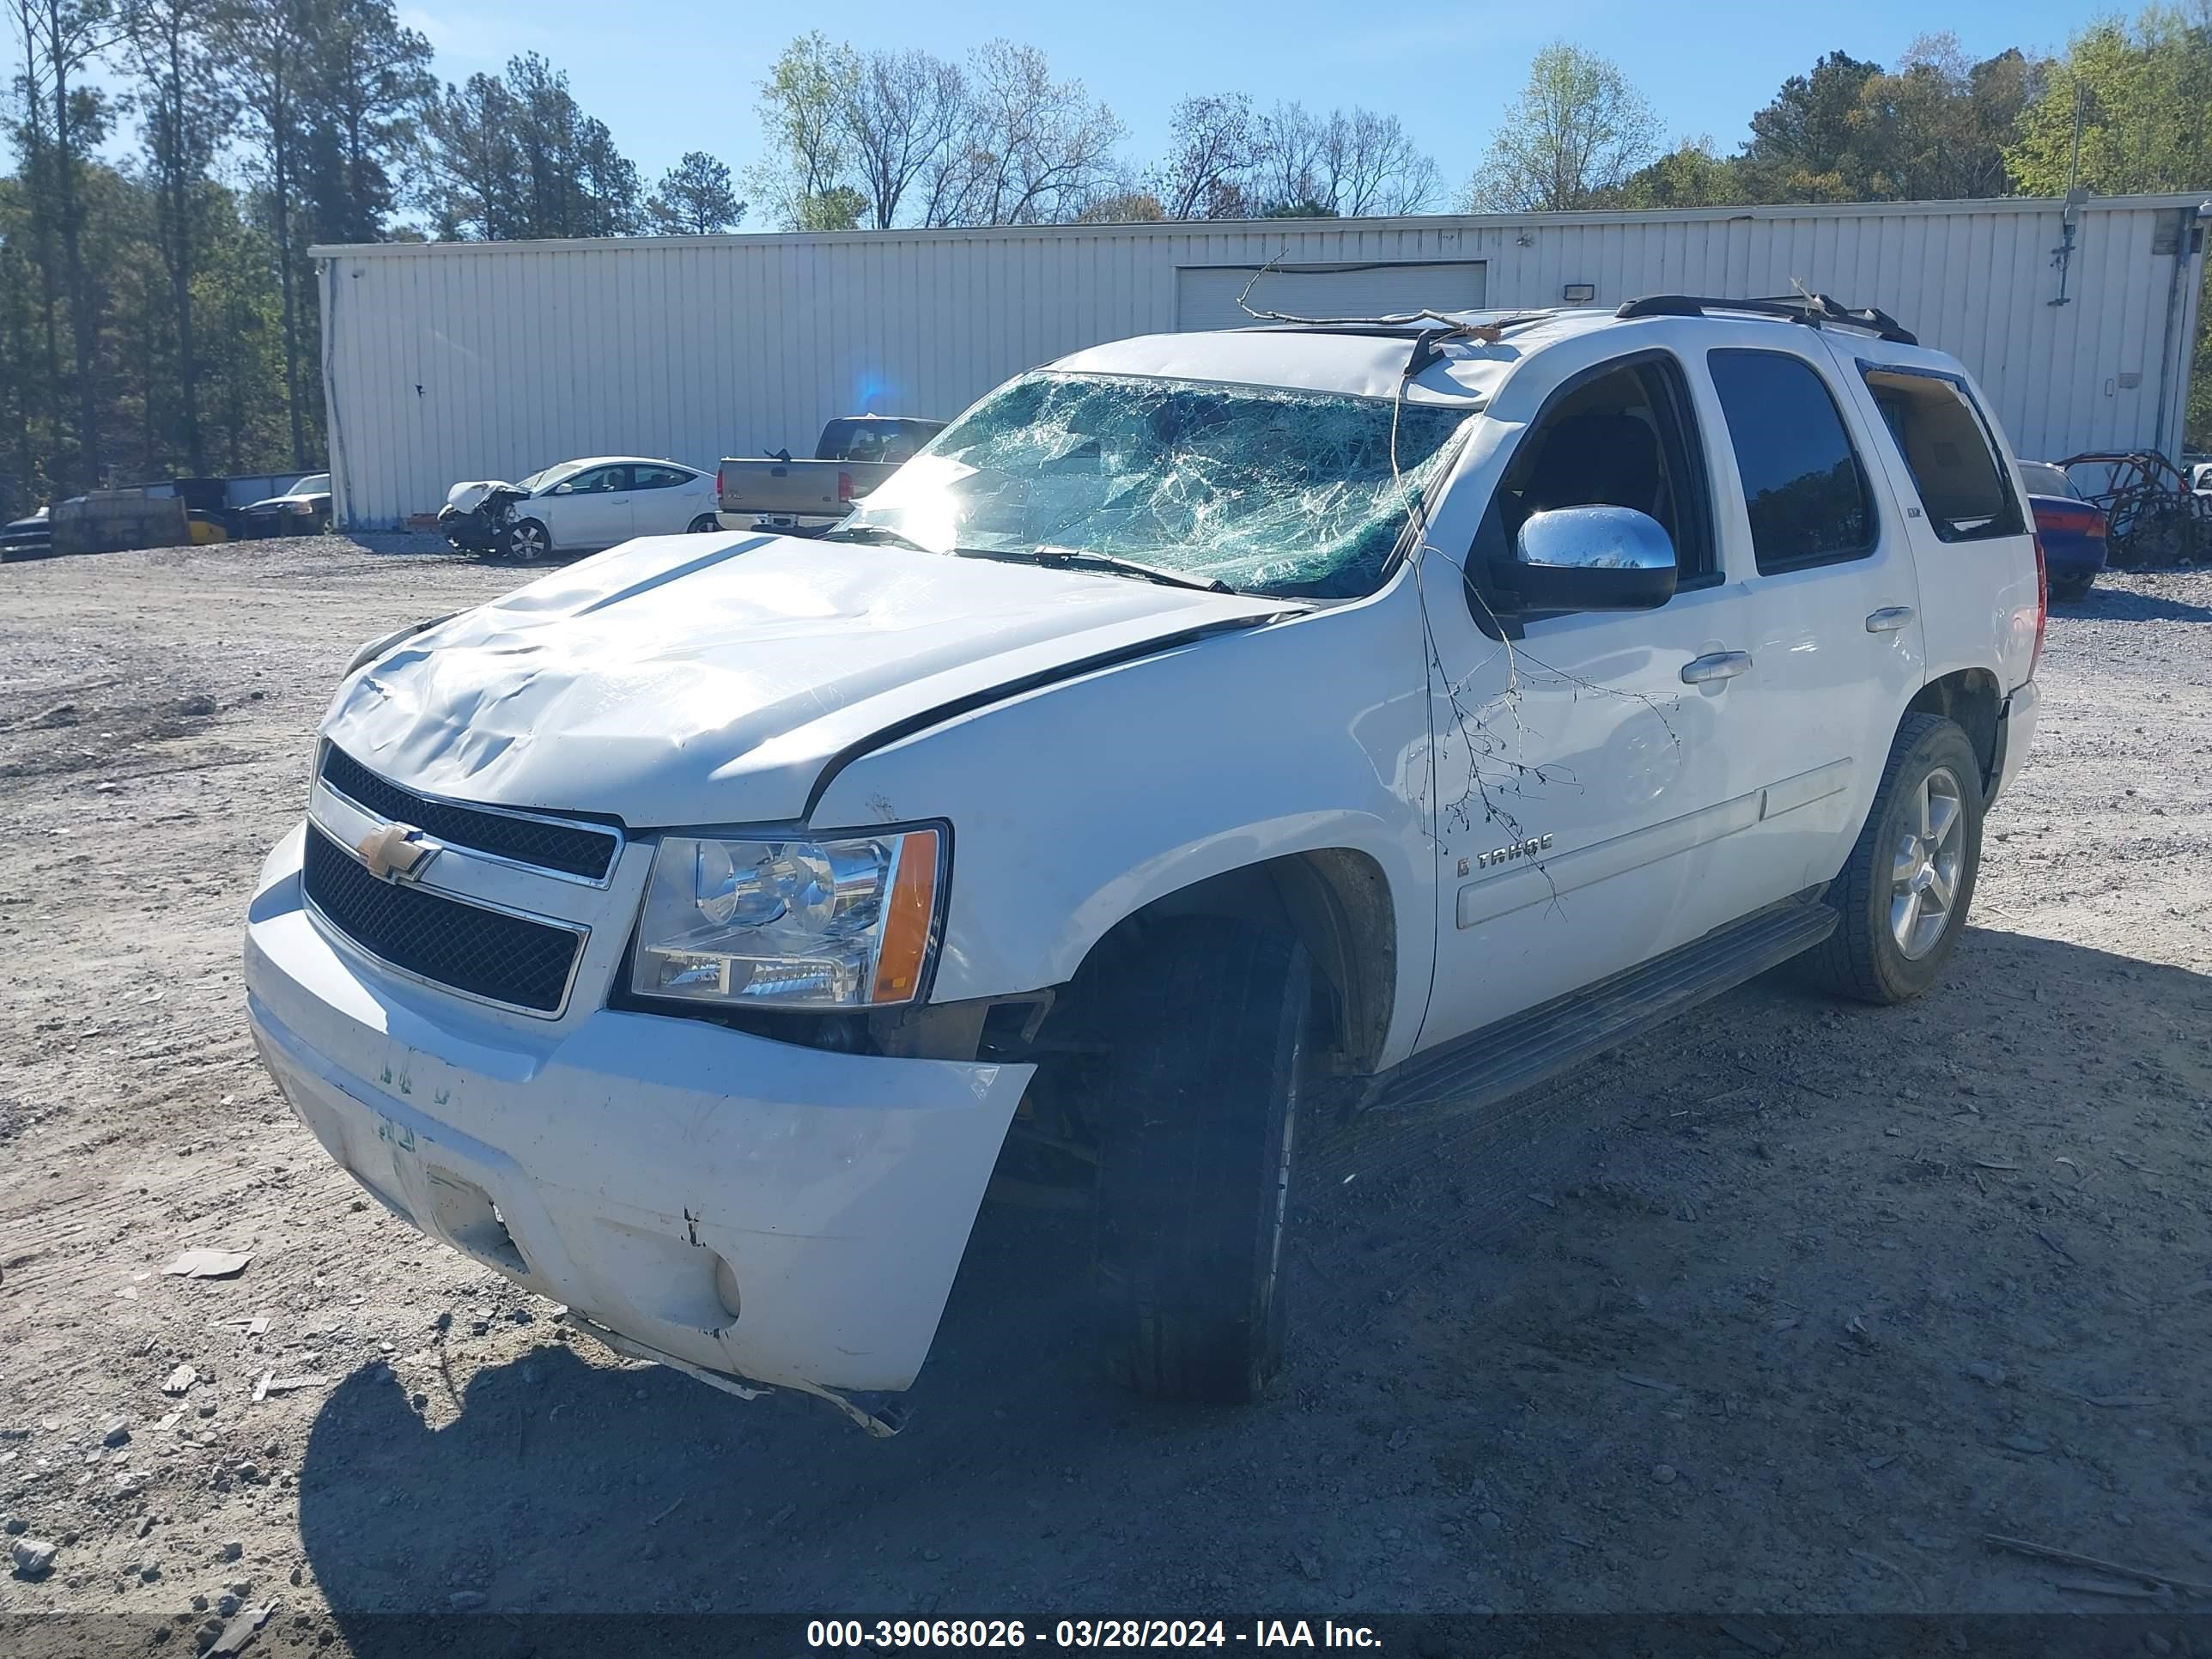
point(2119, 1570)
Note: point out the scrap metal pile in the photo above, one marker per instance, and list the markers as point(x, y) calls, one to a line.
point(2152, 516)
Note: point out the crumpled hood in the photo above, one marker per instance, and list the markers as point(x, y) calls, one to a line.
point(710, 679)
point(467, 497)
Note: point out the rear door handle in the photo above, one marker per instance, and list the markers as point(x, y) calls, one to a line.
point(1715, 666)
point(1889, 619)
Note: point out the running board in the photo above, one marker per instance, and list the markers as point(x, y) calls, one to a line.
point(1536, 1045)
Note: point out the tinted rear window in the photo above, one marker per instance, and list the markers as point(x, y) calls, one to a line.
point(1803, 488)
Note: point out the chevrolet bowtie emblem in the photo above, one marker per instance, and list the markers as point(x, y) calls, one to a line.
point(397, 852)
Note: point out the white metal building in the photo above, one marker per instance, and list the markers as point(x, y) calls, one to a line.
point(454, 360)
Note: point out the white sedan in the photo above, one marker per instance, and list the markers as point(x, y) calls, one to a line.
point(580, 506)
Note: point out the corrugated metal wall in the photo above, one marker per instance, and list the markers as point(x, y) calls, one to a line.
point(450, 361)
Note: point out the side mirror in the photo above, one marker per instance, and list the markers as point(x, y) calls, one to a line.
point(1590, 558)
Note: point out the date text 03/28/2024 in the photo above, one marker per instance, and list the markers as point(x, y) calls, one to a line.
point(896, 1633)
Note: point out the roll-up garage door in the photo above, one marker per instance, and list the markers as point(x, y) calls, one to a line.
point(1207, 296)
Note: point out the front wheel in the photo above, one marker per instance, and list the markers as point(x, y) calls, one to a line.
point(1902, 895)
point(527, 541)
point(1207, 1041)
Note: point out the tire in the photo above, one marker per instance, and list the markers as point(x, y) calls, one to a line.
point(2074, 588)
point(1885, 950)
point(1200, 1106)
point(705, 523)
point(527, 542)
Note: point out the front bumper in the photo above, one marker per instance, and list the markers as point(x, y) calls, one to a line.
point(473, 532)
point(648, 1171)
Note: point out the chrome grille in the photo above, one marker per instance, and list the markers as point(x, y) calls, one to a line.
point(574, 850)
point(486, 953)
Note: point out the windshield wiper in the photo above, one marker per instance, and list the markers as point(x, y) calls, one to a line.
point(1053, 558)
point(1076, 558)
point(863, 534)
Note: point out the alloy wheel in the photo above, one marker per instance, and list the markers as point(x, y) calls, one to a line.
point(1925, 867)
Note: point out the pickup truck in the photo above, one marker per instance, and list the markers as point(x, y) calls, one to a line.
point(855, 453)
point(1206, 723)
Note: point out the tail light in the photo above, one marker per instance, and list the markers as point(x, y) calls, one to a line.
point(844, 486)
point(2042, 606)
point(718, 481)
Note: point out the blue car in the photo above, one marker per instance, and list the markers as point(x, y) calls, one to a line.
point(2071, 531)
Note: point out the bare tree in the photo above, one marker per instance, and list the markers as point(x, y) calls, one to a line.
point(940, 190)
point(1215, 151)
point(1038, 149)
point(1343, 163)
point(904, 116)
point(1286, 146)
point(1576, 132)
point(890, 137)
point(1373, 167)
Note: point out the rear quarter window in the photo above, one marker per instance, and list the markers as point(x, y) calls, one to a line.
point(1949, 450)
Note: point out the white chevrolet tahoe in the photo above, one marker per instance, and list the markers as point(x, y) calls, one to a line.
point(1410, 707)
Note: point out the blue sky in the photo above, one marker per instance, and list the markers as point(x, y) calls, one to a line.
point(669, 75)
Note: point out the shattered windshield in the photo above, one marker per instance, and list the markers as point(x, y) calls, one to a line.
point(1270, 491)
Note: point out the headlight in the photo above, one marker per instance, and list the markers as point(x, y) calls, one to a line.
point(790, 924)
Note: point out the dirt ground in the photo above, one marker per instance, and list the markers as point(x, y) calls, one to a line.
point(1781, 1310)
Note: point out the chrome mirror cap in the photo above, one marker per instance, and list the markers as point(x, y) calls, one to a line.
point(1595, 539)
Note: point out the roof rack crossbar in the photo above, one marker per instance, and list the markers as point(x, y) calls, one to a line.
point(1813, 309)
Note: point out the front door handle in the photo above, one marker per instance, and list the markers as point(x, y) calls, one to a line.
point(1889, 619)
point(1715, 666)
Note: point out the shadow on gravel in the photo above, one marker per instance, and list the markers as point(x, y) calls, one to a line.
point(571, 1485)
point(2119, 604)
point(418, 547)
point(1436, 1348)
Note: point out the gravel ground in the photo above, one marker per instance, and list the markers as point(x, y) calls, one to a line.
point(1781, 1311)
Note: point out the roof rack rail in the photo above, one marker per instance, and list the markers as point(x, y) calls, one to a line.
point(1812, 309)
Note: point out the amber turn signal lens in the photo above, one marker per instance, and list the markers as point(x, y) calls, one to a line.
point(906, 923)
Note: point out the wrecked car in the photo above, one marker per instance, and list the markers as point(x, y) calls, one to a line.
point(1399, 711)
point(577, 506)
point(474, 517)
